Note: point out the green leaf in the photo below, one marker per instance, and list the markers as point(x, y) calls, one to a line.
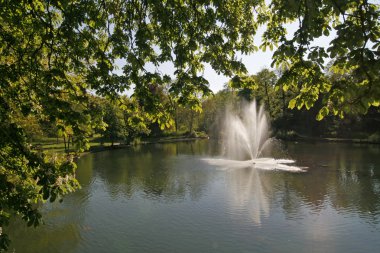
point(292, 103)
point(308, 104)
point(322, 113)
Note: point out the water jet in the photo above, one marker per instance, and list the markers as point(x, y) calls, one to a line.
point(245, 136)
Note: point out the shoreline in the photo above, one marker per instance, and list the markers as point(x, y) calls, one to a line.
point(96, 149)
point(330, 139)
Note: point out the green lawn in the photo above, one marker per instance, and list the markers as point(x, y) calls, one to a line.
point(52, 145)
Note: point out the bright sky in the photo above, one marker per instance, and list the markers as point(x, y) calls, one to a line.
point(253, 62)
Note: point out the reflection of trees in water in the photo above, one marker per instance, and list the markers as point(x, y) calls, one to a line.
point(345, 178)
point(63, 237)
point(85, 170)
point(155, 171)
point(357, 186)
point(198, 147)
point(64, 225)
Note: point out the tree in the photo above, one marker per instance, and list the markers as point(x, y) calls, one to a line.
point(355, 50)
point(266, 80)
point(136, 120)
point(113, 117)
point(260, 87)
point(214, 108)
point(54, 52)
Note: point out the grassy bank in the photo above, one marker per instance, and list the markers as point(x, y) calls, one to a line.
point(293, 136)
point(96, 143)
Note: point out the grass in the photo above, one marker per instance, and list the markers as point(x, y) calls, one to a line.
point(52, 145)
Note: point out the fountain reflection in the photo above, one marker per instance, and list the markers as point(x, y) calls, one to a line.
point(253, 188)
point(249, 192)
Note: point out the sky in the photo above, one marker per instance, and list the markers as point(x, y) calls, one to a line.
point(253, 62)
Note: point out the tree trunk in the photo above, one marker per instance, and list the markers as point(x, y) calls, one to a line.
point(268, 100)
point(68, 143)
point(283, 102)
point(176, 120)
point(64, 141)
point(191, 122)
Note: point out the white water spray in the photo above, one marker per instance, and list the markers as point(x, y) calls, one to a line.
point(245, 136)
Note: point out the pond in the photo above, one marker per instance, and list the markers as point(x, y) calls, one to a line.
point(166, 198)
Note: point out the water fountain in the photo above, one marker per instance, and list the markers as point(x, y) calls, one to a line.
point(245, 136)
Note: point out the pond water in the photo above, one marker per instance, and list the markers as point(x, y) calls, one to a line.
point(166, 198)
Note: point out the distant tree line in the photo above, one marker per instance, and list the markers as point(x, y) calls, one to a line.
point(279, 102)
point(126, 119)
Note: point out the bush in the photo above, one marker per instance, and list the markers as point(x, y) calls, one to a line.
point(136, 141)
point(193, 134)
point(374, 137)
point(287, 135)
point(202, 134)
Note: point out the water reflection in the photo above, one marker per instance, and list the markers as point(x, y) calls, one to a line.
point(341, 178)
point(166, 198)
point(347, 176)
point(64, 223)
point(249, 191)
point(156, 171)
